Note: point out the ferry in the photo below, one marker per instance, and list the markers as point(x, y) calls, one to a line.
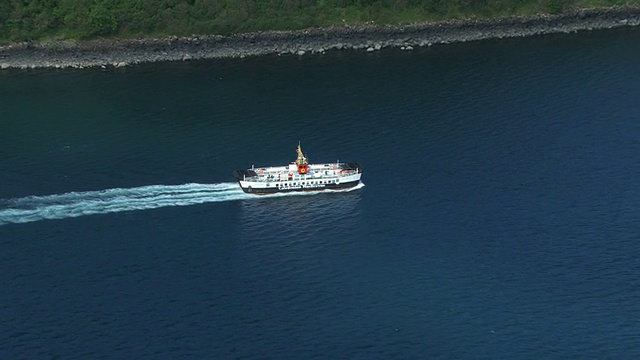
point(299, 176)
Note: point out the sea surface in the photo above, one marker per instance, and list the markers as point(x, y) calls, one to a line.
point(499, 215)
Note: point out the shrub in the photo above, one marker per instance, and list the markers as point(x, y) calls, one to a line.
point(102, 22)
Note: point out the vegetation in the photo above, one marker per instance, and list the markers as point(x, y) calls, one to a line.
point(38, 20)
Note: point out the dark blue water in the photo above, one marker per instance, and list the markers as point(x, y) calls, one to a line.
point(499, 219)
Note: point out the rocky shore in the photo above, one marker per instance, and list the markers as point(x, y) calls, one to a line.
point(120, 53)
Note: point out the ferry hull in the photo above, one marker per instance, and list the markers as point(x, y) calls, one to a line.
point(249, 189)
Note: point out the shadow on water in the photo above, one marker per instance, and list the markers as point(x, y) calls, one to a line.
point(300, 216)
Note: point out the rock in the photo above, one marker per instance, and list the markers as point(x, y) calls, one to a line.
point(120, 64)
point(370, 49)
point(409, 47)
point(186, 57)
point(301, 52)
point(377, 47)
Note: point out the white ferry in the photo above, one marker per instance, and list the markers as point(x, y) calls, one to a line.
point(299, 176)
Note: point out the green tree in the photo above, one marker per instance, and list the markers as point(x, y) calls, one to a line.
point(102, 21)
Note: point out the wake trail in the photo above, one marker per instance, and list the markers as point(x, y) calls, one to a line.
point(75, 204)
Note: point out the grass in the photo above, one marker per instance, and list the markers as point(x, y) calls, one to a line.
point(41, 20)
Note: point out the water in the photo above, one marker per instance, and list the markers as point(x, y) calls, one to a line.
point(499, 217)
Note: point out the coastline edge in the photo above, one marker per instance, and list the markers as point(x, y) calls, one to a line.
point(121, 53)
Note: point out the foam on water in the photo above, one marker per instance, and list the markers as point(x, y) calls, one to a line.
point(75, 204)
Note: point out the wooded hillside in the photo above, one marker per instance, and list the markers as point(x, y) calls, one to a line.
point(38, 20)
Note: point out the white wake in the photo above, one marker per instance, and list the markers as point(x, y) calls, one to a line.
point(75, 204)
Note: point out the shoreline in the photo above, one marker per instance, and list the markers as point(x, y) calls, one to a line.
point(121, 53)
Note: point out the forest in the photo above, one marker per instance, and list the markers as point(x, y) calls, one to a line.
point(53, 20)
